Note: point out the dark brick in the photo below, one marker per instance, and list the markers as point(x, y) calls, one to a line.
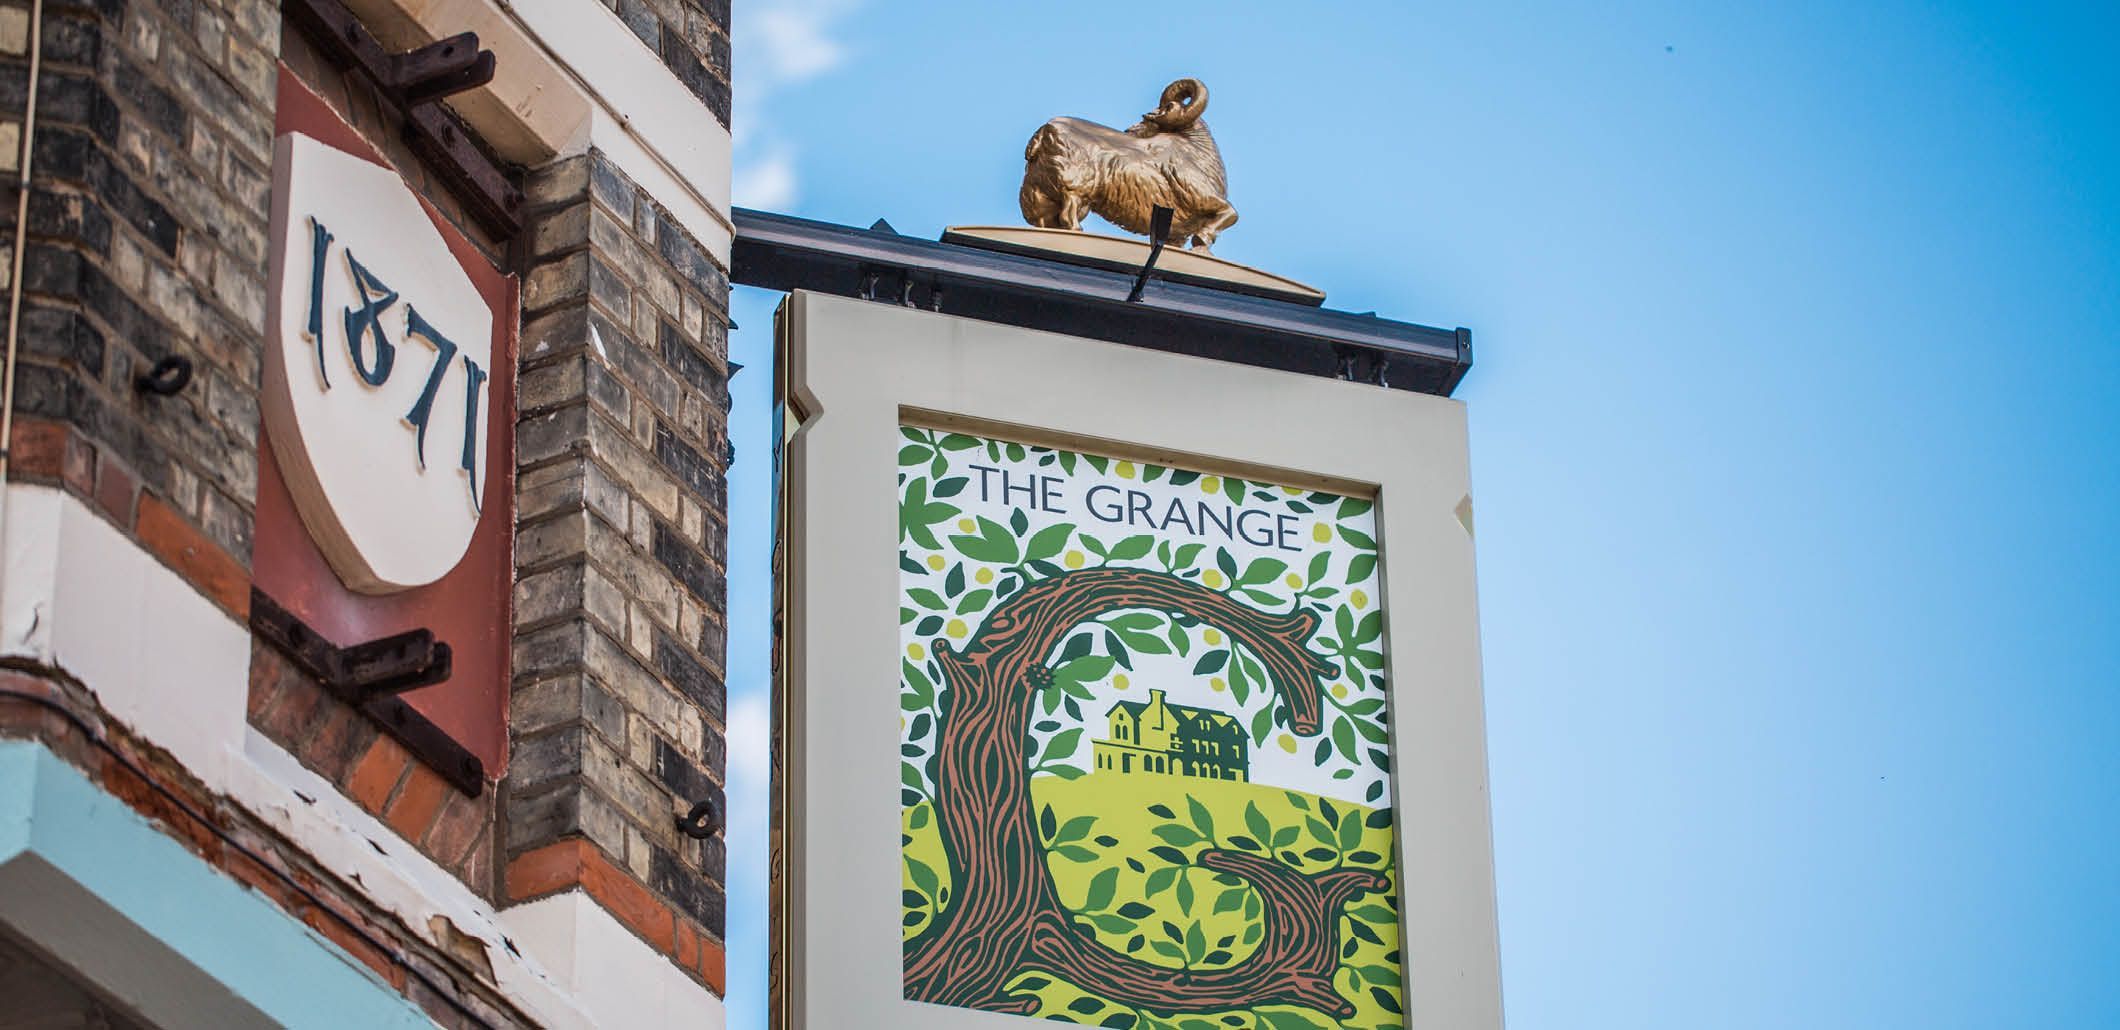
point(717, 56)
point(714, 857)
point(128, 321)
point(690, 261)
point(61, 97)
point(159, 110)
point(691, 468)
point(641, 18)
point(45, 391)
point(610, 187)
point(546, 757)
point(129, 202)
point(687, 66)
point(691, 678)
point(604, 388)
point(695, 891)
point(678, 773)
point(71, 41)
point(713, 640)
point(62, 154)
point(701, 580)
point(51, 270)
point(64, 337)
point(639, 365)
point(692, 367)
point(183, 12)
point(71, 216)
point(557, 334)
point(609, 288)
point(208, 91)
point(542, 818)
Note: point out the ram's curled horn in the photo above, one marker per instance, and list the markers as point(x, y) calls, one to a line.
point(1174, 115)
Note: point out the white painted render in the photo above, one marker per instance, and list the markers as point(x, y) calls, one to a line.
point(606, 968)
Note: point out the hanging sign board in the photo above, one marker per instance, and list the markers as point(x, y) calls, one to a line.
point(1186, 728)
point(378, 362)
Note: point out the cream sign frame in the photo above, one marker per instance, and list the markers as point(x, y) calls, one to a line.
point(853, 374)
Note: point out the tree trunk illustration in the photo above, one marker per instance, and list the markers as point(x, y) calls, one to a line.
point(1006, 916)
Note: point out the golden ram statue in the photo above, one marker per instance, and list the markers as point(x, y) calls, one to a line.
point(1073, 167)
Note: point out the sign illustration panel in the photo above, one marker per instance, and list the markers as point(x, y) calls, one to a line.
point(1145, 744)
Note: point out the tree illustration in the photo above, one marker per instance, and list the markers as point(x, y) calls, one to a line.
point(1004, 623)
point(1006, 915)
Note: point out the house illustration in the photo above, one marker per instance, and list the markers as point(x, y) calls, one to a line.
point(1160, 738)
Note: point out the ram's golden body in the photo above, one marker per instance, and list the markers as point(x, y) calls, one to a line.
point(1073, 168)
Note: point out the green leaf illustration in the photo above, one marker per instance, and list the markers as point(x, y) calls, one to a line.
point(1132, 548)
point(1063, 745)
point(1086, 669)
point(1263, 570)
point(1359, 567)
point(1048, 542)
point(923, 877)
point(1101, 888)
point(1201, 820)
point(994, 544)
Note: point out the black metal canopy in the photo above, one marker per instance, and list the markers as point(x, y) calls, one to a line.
point(781, 252)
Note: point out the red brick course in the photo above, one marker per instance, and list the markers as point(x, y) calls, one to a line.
point(375, 777)
point(418, 800)
point(201, 562)
point(575, 863)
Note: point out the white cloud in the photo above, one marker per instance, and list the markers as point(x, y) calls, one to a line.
point(750, 810)
point(778, 44)
point(766, 180)
point(793, 42)
point(749, 740)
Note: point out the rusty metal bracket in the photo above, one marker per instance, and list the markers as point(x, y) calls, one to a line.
point(440, 69)
point(412, 82)
point(369, 676)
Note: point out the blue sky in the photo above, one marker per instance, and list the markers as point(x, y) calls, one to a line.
point(1795, 441)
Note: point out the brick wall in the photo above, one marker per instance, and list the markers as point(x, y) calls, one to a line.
point(148, 230)
point(147, 238)
point(692, 38)
point(618, 708)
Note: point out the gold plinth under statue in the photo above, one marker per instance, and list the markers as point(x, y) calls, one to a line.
point(1121, 254)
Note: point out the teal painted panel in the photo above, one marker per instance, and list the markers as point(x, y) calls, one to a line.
point(51, 813)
